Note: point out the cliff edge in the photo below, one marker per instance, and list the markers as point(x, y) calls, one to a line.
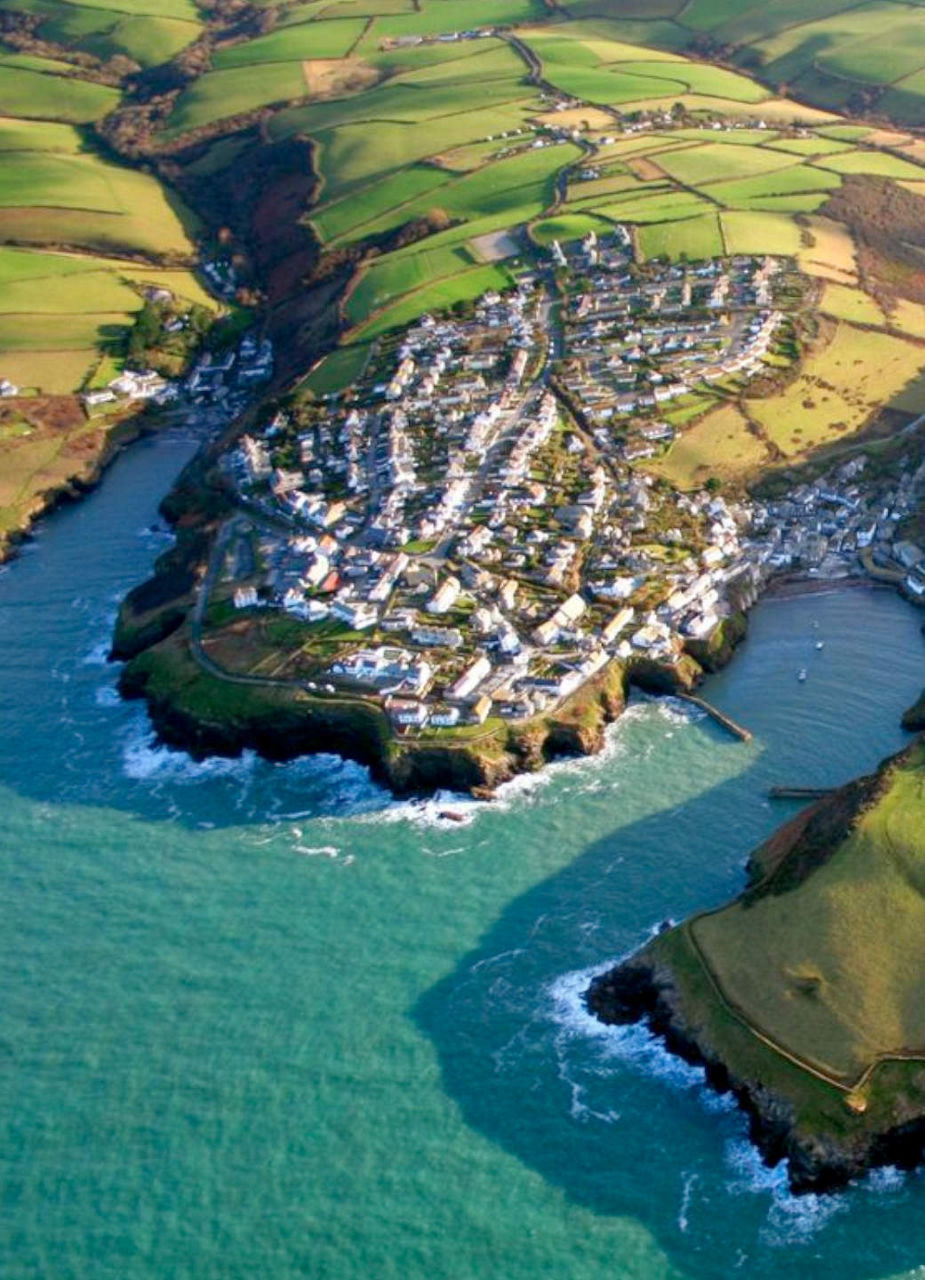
point(803, 996)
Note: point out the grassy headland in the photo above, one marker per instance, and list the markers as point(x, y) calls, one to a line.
point(803, 994)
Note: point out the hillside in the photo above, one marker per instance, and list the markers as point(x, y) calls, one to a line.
point(336, 156)
point(862, 58)
point(803, 995)
point(83, 240)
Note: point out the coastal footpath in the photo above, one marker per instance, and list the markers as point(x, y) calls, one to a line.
point(208, 712)
point(801, 997)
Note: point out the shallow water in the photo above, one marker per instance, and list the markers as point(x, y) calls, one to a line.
point(263, 1020)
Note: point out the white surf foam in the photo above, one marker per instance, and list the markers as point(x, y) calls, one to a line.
point(145, 760)
point(318, 851)
point(688, 1182)
point(886, 1181)
point(581, 774)
point(434, 812)
point(633, 1044)
point(107, 695)
point(791, 1220)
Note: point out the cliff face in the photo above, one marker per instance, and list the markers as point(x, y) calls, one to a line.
point(197, 712)
point(644, 991)
point(716, 652)
point(829, 1132)
point(914, 717)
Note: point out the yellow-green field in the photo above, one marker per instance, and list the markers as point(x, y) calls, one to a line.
point(829, 969)
point(720, 444)
point(827, 250)
point(842, 382)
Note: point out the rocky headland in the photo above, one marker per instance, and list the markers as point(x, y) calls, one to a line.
point(785, 1045)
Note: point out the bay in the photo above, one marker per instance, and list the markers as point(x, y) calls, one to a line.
point(263, 1020)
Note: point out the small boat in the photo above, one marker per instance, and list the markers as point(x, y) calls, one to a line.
point(820, 644)
point(802, 674)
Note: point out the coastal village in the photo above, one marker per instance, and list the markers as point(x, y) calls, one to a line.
point(471, 532)
point(223, 379)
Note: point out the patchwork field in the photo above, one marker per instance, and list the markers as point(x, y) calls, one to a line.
point(74, 306)
point(765, 169)
point(148, 37)
point(59, 310)
point(434, 148)
point(101, 233)
point(728, 168)
point(831, 53)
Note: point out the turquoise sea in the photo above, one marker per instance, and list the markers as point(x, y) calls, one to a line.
point(263, 1021)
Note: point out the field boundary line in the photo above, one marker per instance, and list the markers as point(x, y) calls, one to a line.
point(742, 1018)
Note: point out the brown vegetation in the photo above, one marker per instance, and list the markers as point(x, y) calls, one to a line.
point(335, 77)
point(888, 225)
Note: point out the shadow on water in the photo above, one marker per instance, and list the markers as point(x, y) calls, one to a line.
point(605, 1113)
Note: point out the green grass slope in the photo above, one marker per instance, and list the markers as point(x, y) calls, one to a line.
point(828, 964)
point(833, 53)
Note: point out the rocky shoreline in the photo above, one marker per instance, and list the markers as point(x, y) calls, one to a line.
point(638, 992)
point(849, 1136)
point(194, 711)
point(85, 478)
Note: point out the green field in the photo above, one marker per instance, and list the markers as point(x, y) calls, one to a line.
point(355, 154)
point(692, 238)
point(392, 195)
point(519, 188)
point(750, 191)
point(878, 163)
point(41, 95)
point(382, 283)
point(700, 166)
point(39, 136)
point(55, 197)
point(569, 226)
point(294, 43)
point(338, 370)
point(434, 297)
point(444, 71)
point(239, 89)
point(412, 133)
point(828, 969)
point(149, 33)
point(58, 310)
point(817, 145)
point(658, 207)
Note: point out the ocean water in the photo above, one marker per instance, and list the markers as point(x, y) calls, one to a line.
point(264, 1021)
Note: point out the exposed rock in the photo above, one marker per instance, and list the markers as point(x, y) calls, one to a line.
point(914, 717)
point(843, 1143)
